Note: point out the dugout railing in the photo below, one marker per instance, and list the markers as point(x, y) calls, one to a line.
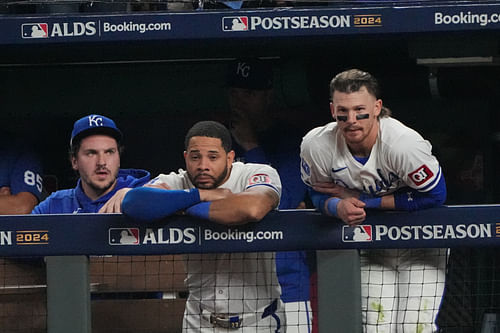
point(66, 241)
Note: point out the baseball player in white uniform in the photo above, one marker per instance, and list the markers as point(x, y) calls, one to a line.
point(228, 292)
point(366, 159)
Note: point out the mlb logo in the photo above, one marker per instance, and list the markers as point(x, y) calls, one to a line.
point(360, 233)
point(235, 23)
point(124, 236)
point(421, 175)
point(35, 30)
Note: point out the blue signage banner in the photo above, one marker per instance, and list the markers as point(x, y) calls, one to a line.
point(285, 22)
point(115, 234)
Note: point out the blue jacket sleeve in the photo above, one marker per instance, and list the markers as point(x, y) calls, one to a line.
point(39, 208)
point(44, 207)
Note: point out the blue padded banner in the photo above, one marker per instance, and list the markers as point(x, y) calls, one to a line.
point(268, 23)
point(114, 234)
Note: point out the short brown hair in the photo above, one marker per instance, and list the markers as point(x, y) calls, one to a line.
point(353, 80)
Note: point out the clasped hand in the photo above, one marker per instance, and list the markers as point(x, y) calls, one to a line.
point(349, 209)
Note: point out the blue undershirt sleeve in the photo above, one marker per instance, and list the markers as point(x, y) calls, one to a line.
point(146, 203)
point(409, 199)
point(200, 210)
point(370, 201)
point(318, 199)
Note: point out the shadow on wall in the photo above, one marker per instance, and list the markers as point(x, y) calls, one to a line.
point(153, 104)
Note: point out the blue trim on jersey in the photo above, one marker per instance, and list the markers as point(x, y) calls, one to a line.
point(263, 184)
point(361, 160)
point(409, 199)
point(308, 317)
point(278, 322)
point(436, 179)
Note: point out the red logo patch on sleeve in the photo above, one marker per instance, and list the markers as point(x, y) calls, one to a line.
point(421, 175)
point(260, 178)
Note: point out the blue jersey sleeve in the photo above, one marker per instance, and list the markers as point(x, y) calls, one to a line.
point(26, 175)
point(409, 199)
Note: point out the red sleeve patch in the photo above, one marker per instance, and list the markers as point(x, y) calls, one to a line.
point(260, 178)
point(421, 175)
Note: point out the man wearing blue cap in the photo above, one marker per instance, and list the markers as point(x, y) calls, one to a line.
point(21, 182)
point(262, 137)
point(95, 149)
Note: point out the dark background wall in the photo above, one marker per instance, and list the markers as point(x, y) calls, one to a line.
point(155, 103)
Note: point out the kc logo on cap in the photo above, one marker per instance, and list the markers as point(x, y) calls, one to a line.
point(243, 69)
point(95, 120)
point(251, 73)
point(94, 123)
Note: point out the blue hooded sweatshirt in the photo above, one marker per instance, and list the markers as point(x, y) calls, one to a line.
point(76, 201)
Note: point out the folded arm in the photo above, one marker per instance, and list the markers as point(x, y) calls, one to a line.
point(250, 205)
point(349, 205)
point(13, 204)
point(219, 205)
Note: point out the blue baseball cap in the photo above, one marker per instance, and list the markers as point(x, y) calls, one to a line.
point(251, 73)
point(94, 124)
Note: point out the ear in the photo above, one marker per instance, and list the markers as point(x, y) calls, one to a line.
point(185, 154)
point(230, 158)
point(378, 107)
point(74, 163)
point(332, 111)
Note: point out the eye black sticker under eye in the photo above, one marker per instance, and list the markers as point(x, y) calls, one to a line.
point(358, 117)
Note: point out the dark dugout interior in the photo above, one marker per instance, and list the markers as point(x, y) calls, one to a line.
point(155, 93)
point(156, 90)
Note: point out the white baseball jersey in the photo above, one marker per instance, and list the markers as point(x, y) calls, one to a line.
point(399, 158)
point(393, 296)
point(236, 283)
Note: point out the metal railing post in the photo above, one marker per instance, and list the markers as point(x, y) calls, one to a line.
point(339, 291)
point(68, 294)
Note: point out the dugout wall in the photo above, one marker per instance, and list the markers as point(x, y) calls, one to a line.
point(442, 79)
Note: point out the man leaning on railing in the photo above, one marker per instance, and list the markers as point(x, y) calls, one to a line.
point(369, 160)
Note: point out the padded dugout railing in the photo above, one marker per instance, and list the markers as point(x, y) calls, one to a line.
point(66, 240)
